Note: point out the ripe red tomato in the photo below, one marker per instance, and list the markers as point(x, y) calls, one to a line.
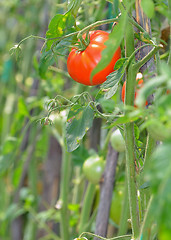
point(81, 63)
point(140, 81)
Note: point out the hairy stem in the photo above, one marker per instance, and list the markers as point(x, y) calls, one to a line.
point(140, 63)
point(87, 206)
point(129, 136)
point(124, 237)
point(65, 180)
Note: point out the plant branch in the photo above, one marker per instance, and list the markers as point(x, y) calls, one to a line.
point(147, 221)
point(65, 180)
point(115, 238)
point(140, 63)
point(87, 206)
point(31, 36)
point(96, 24)
point(129, 135)
point(135, 23)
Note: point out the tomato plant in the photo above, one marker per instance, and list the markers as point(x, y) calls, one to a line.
point(81, 63)
point(93, 168)
point(140, 82)
point(117, 141)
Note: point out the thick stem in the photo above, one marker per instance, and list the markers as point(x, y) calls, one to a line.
point(129, 137)
point(87, 206)
point(65, 181)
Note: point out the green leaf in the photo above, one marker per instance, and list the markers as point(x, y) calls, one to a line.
point(80, 119)
point(112, 83)
point(59, 26)
point(120, 63)
point(115, 39)
point(148, 7)
point(46, 60)
point(79, 155)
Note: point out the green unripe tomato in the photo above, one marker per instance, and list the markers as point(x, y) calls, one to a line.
point(117, 141)
point(93, 168)
point(116, 205)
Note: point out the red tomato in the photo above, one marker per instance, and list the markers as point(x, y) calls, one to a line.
point(81, 63)
point(140, 81)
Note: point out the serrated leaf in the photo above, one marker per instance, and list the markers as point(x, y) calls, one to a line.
point(59, 26)
point(80, 119)
point(148, 7)
point(115, 39)
point(112, 83)
point(120, 63)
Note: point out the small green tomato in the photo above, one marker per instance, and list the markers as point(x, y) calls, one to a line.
point(117, 141)
point(93, 168)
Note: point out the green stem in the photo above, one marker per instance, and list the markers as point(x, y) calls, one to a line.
point(145, 193)
point(138, 49)
point(124, 237)
point(129, 137)
point(135, 23)
point(96, 24)
point(150, 145)
point(57, 70)
point(147, 222)
point(31, 36)
point(65, 181)
point(140, 63)
point(87, 206)
point(43, 225)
